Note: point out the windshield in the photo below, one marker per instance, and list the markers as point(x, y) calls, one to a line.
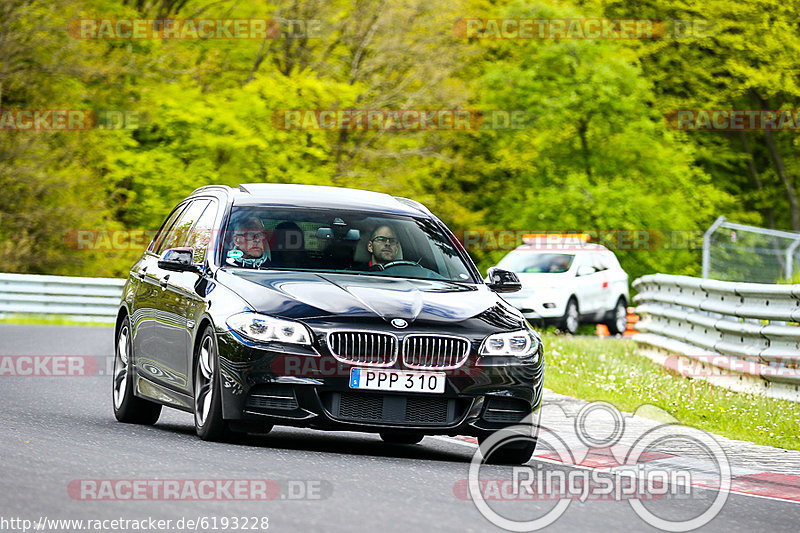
point(527, 262)
point(269, 238)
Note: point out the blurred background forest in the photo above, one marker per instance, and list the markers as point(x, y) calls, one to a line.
point(597, 154)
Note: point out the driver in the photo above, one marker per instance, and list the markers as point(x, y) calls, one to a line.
point(383, 248)
point(250, 248)
point(560, 264)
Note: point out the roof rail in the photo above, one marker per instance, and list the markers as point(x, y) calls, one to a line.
point(413, 203)
point(223, 188)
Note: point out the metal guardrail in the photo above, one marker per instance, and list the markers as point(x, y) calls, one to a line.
point(85, 299)
point(743, 336)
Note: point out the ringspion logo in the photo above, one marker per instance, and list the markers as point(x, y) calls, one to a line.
point(641, 474)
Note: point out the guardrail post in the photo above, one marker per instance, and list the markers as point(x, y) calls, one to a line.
point(789, 268)
point(707, 245)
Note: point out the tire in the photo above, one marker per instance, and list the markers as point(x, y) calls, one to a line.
point(402, 438)
point(511, 454)
point(208, 422)
point(571, 319)
point(128, 407)
point(618, 321)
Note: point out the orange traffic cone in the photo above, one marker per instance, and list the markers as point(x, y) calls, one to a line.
point(633, 318)
point(602, 330)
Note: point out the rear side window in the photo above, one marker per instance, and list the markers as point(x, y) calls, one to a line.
point(179, 233)
point(587, 260)
point(600, 262)
point(611, 260)
point(166, 227)
point(201, 234)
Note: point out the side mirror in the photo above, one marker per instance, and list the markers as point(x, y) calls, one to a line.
point(500, 280)
point(178, 260)
point(585, 270)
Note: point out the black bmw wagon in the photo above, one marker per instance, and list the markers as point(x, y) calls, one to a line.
point(325, 308)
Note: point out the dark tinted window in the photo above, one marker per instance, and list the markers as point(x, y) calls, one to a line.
point(536, 263)
point(341, 241)
point(202, 232)
point(179, 233)
point(166, 227)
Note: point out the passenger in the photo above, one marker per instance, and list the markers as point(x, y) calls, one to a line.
point(560, 264)
point(288, 246)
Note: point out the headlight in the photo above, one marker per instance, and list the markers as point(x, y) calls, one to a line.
point(520, 344)
point(269, 329)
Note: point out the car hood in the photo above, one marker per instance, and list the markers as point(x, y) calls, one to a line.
point(308, 295)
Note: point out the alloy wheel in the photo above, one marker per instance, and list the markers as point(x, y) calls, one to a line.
point(204, 382)
point(121, 367)
point(571, 322)
point(621, 317)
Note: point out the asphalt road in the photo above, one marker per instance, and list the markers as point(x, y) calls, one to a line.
point(56, 431)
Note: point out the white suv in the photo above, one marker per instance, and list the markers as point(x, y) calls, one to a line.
point(567, 281)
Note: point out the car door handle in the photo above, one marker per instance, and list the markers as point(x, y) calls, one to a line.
point(164, 281)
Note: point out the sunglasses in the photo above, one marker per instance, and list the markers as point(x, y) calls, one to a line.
point(385, 240)
point(251, 235)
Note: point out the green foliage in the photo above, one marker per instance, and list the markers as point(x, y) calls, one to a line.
point(191, 138)
point(595, 154)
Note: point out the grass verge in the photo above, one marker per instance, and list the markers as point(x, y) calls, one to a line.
point(48, 320)
point(610, 370)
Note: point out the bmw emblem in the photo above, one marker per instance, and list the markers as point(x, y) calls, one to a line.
point(399, 323)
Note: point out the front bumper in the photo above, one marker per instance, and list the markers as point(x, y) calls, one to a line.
point(265, 386)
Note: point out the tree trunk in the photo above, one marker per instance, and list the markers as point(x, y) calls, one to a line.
point(791, 194)
point(583, 128)
point(751, 165)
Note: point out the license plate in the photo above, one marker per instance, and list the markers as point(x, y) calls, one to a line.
point(396, 380)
